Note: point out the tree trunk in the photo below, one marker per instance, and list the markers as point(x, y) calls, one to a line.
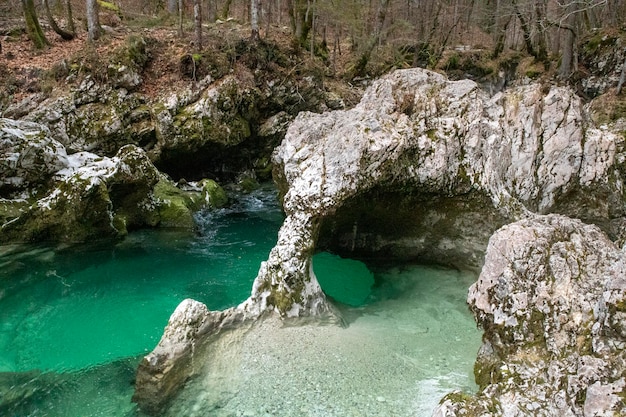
point(197, 19)
point(569, 40)
point(254, 20)
point(268, 17)
point(211, 8)
point(67, 36)
point(70, 17)
point(33, 28)
point(225, 10)
point(622, 78)
point(528, 42)
point(180, 18)
point(501, 30)
point(172, 6)
point(301, 17)
point(93, 21)
point(361, 63)
point(541, 10)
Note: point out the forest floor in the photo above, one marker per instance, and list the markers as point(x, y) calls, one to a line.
point(25, 70)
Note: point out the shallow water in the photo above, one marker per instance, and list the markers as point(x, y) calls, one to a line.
point(413, 342)
point(75, 321)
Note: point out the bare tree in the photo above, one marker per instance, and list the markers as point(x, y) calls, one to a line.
point(568, 26)
point(254, 20)
point(93, 21)
point(225, 10)
point(197, 18)
point(364, 57)
point(70, 17)
point(33, 28)
point(301, 18)
point(180, 18)
point(501, 24)
point(65, 35)
point(172, 6)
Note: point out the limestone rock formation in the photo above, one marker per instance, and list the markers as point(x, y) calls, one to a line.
point(551, 299)
point(454, 159)
point(162, 372)
point(210, 126)
point(29, 157)
point(47, 194)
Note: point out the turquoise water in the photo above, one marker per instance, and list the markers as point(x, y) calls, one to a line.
point(74, 313)
point(412, 342)
point(344, 280)
point(75, 321)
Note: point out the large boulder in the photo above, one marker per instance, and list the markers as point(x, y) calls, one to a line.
point(551, 299)
point(92, 197)
point(29, 157)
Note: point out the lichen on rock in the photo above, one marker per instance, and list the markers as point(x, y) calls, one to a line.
point(417, 134)
point(28, 157)
point(549, 297)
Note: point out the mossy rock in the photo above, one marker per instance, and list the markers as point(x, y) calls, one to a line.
point(263, 168)
point(197, 66)
point(174, 205)
point(120, 223)
point(247, 184)
point(75, 211)
point(212, 194)
point(11, 209)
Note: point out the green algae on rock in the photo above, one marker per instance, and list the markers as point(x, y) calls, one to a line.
point(72, 198)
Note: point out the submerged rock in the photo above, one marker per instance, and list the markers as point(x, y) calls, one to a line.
point(551, 300)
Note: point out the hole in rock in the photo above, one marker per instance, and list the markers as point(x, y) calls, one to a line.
point(409, 225)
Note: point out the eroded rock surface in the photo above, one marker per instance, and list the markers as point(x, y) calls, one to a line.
point(47, 194)
point(419, 135)
point(189, 330)
point(29, 157)
point(551, 299)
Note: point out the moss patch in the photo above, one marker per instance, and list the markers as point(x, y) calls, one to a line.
point(212, 194)
point(174, 205)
